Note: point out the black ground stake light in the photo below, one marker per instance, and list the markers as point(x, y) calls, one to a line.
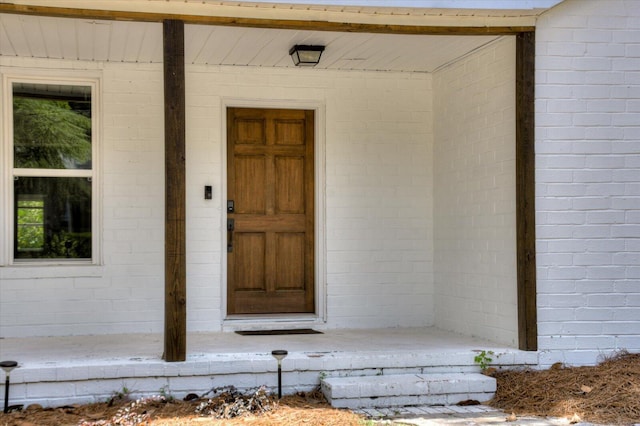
point(279, 354)
point(7, 366)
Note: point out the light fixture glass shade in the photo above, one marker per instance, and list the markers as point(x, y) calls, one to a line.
point(7, 366)
point(303, 55)
point(279, 354)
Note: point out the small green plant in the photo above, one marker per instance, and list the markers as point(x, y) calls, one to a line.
point(483, 359)
point(122, 394)
point(322, 375)
point(164, 393)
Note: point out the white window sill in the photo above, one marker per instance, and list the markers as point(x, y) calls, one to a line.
point(32, 270)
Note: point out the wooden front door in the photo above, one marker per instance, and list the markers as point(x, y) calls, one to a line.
point(270, 211)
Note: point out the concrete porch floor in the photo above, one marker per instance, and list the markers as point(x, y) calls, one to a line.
point(78, 369)
point(67, 350)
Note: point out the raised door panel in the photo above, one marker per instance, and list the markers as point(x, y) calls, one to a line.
point(249, 253)
point(290, 188)
point(290, 263)
point(250, 191)
point(250, 131)
point(289, 132)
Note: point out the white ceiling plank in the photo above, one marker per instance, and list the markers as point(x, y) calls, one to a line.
point(35, 37)
point(66, 31)
point(406, 54)
point(195, 39)
point(374, 49)
point(158, 56)
point(85, 39)
point(275, 53)
point(135, 35)
point(344, 52)
point(118, 40)
point(220, 44)
point(151, 45)
point(33, 33)
point(246, 48)
point(5, 41)
point(101, 38)
point(447, 51)
point(51, 38)
point(17, 36)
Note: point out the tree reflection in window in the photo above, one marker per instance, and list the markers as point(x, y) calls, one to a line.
point(65, 214)
point(51, 133)
point(30, 219)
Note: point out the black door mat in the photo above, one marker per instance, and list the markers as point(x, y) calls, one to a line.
point(277, 332)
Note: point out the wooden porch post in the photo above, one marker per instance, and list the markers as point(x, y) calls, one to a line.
point(175, 305)
point(525, 191)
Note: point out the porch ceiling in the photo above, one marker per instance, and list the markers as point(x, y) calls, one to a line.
point(380, 35)
point(121, 41)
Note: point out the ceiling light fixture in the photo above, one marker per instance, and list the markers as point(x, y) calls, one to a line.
point(304, 55)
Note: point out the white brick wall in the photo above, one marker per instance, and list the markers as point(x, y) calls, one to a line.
point(588, 174)
point(378, 190)
point(474, 180)
point(126, 292)
point(378, 202)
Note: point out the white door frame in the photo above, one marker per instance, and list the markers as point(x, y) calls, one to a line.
point(280, 320)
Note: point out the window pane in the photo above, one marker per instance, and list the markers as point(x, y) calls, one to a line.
point(52, 218)
point(51, 126)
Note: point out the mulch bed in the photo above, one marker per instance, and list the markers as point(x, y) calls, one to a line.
point(608, 393)
point(226, 407)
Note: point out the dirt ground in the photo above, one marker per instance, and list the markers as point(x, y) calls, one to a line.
point(224, 408)
point(608, 393)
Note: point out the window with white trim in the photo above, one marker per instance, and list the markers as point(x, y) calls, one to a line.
point(53, 149)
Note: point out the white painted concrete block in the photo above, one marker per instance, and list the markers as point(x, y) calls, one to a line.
point(42, 390)
point(406, 389)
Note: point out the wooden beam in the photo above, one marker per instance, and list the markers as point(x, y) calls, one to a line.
point(175, 306)
point(525, 191)
point(285, 24)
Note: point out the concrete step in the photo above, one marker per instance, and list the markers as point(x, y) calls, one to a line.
point(407, 389)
